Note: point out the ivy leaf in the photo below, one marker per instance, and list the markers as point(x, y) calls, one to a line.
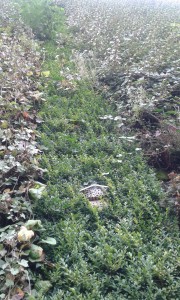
point(9, 283)
point(5, 265)
point(36, 193)
point(14, 271)
point(23, 263)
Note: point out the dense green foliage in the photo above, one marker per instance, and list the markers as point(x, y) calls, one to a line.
point(126, 251)
point(41, 17)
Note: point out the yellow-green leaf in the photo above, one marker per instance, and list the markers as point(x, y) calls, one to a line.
point(45, 73)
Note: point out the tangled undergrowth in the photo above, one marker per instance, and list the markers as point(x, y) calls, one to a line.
point(127, 250)
point(20, 171)
point(130, 50)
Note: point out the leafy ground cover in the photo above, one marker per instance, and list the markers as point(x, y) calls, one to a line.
point(127, 250)
point(133, 48)
point(130, 50)
point(20, 171)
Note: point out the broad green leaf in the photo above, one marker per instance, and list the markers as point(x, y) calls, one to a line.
point(49, 240)
point(4, 124)
point(36, 192)
point(36, 253)
point(45, 73)
point(33, 224)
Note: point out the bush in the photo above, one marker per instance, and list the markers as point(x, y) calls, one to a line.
point(40, 16)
